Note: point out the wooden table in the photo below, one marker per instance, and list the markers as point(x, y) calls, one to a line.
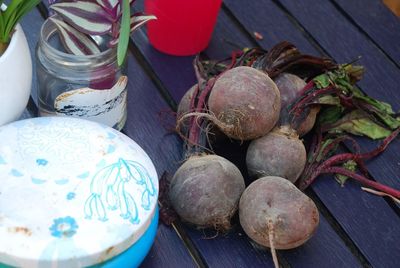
point(356, 228)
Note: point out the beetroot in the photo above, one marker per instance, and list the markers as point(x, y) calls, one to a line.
point(246, 103)
point(275, 214)
point(279, 153)
point(213, 134)
point(182, 126)
point(205, 191)
point(184, 104)
point(290, 87)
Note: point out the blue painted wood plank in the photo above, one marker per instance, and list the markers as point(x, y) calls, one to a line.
point(173, 69)
point(269, 21)
point(313, 252)
point(310, 15)
point(372, 227)
point(244, 252)
point(233, 249)
point(227, 38)
point(144, 126)
point(31, 25)
point(378, 22)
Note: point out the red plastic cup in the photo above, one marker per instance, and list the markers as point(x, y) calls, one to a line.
point(183, 27)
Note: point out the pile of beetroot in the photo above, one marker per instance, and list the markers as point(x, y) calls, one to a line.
point(270, 99)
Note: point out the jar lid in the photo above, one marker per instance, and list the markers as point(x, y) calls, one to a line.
point(72, 192)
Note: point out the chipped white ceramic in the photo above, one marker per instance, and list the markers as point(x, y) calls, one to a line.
point(73, 192)
point(106, 106)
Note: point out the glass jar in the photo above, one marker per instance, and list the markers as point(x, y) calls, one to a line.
point(92, 87)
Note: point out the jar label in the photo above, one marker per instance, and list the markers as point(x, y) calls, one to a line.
point(106, 106)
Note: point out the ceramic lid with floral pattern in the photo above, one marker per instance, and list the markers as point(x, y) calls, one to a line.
point(72, 192)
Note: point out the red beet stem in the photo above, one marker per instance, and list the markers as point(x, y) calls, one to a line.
point(363, 168)
point(339, 140)
point(346, 101)
point(363, 156)
point(363, 180)
point(201, 104)
point(299, 106)
point(312, 162)
point(314, 171)
point(381, 147)
point(307, 87)
point(192, 105)
point(234, 56)
point(195, 129)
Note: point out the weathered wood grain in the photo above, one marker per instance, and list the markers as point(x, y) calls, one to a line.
point(31, 25)
point(378, 22)
point(145, 126)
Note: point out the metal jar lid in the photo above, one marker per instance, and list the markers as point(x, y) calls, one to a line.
point(72, 192)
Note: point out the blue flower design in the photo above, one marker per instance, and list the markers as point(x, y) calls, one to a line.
point(64, 227)
point(16, 173)
point(71, 195)
point(108, 191)
point(41, 162)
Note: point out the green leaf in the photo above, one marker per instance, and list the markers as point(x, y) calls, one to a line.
point(12, 8)
point(328, 100)
point(28, 6)
point(359, 123)
point(322, 81)
point(325, 143)
point(124, 32)
point(2, 25)
point(380, 105)
point(349, 165)
point(330, 115)
point(381, 110)
point(10, 20)
point(344, 78)
point(12, 15)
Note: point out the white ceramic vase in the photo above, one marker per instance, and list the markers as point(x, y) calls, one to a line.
point(15, 77)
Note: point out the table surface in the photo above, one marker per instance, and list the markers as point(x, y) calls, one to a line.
point(356, 228)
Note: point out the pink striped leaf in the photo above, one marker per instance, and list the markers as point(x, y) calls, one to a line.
point(137, 20)
point(74, 41)
point(87, 17)
point(108, 4)
point(117, 7)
